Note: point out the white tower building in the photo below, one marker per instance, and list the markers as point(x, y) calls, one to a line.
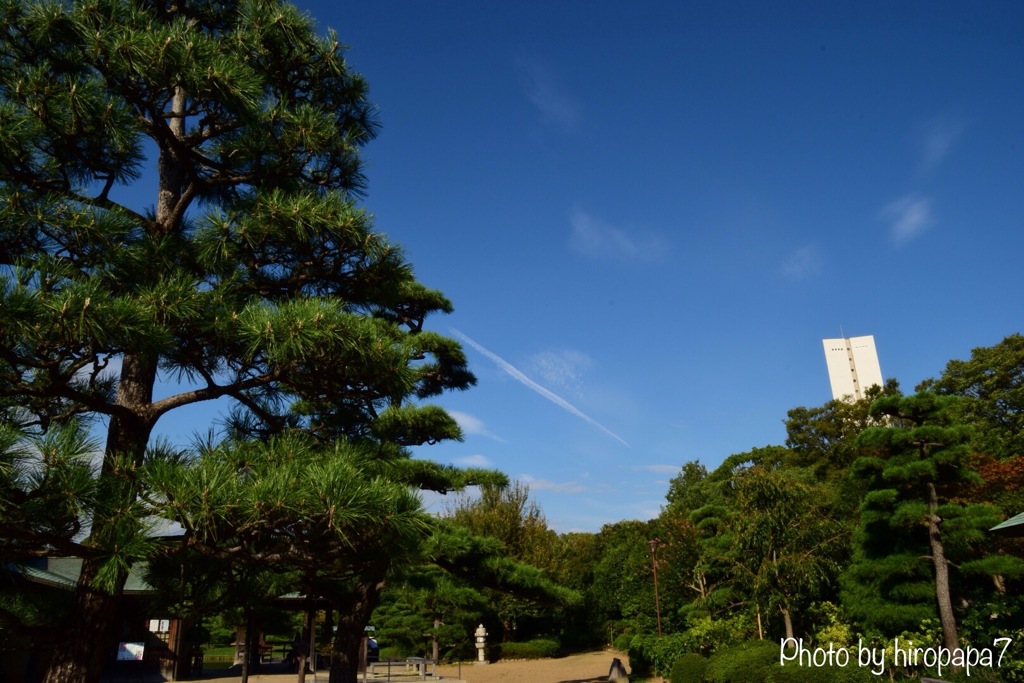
point(852, 366)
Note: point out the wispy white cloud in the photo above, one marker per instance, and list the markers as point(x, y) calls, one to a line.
point(937, 139)
point(475, 460)
point(595, 238)
point(553, 102)
point(562, 369)
point(908, 217)
point(803, 263)
point(536, 484)
point(473, 425)
point(519, 376)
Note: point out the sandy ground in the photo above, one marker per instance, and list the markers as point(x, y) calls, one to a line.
point(590, 667)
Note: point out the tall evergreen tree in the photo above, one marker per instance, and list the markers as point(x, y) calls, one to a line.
point(911, 530)
point(249, 272)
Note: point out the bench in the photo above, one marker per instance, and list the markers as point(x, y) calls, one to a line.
point(421, 666)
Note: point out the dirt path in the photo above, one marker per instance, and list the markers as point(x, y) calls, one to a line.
point(589, 667)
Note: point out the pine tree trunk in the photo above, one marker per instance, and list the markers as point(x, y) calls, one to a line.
point(945, 603)
point(78, 659)
point(307, 653)
point(353, 615)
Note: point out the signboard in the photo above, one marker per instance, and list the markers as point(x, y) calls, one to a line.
point(130, 652)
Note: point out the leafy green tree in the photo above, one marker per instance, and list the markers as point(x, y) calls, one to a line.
point(508, 515)
point(484, 562)
point(250, 273)
point(430, 605)
point(992, 381)
point(911, 533)
point(684, 490)
point(792, 541)
point(481, 560)
point(720, 588)
point(580, 625)
point(678, 558)
point(623, 577)
point(824, 438)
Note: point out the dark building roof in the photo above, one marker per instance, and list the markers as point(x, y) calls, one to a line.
point(1014, 526)
point(63, 572)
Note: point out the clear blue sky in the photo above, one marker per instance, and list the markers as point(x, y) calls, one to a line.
point(648, 215)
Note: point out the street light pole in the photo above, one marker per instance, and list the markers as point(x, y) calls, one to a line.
point(654, 565)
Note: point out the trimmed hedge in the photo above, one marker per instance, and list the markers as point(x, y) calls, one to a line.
point(689, 668)
point(792, 673)
point(747, 662)
point(539, 648)
point(649, 654)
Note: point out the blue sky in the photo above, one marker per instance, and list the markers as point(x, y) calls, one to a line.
point(649, 215)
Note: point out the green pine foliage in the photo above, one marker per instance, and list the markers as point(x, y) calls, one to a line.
point(248, 272)
point(251, 272)
point(912, 536)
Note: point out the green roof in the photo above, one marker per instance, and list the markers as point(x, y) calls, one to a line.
point(63, 572)
point(1014, 526)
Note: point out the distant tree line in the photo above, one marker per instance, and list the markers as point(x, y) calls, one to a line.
point(869, 523)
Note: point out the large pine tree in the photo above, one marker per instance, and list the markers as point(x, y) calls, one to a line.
point(913, 527)
point(178, 200)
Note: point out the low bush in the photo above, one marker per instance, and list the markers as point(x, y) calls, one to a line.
point(531, 649)
point(650, 654)
point(792, 673)
point(393, 652)
point(747, 662)
point(688, 669)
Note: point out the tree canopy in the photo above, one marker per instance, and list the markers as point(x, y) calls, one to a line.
point(180, 222)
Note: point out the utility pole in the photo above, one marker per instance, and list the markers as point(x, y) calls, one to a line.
point(654, 565)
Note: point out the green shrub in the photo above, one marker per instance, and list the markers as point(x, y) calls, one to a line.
point(792, 673)
point(651, 654)
point(622, 641)
point(688, 669)
point(978, 675)
point(747, 662)
point(539, 648)
point(707, 635)
point(392, 652)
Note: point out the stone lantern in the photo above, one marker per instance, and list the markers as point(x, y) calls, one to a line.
point(481, 644)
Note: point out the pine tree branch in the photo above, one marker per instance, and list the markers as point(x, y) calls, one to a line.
point(40, 544)
point(210, 392)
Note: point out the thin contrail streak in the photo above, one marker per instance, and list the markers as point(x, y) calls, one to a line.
point(518, 375)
